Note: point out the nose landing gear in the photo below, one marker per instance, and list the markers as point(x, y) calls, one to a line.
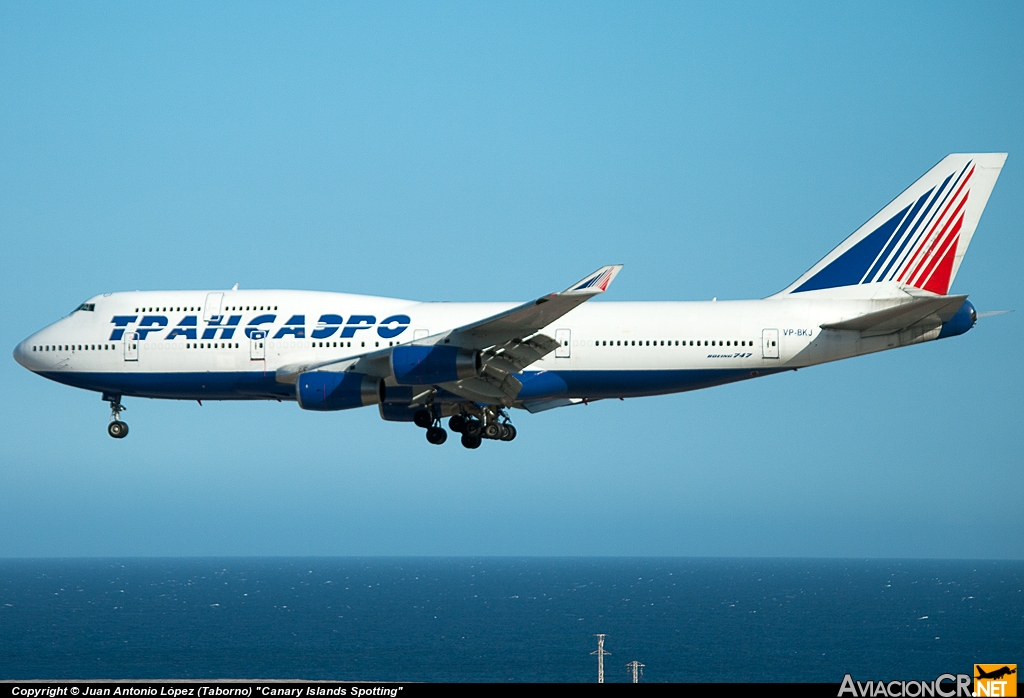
point(116, 428)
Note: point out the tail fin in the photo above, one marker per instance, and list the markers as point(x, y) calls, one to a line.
point(918, 240)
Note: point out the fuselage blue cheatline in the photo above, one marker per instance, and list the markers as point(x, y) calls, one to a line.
point(885, 286)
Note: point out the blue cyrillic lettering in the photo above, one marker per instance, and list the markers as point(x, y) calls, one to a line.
point(393, 326)
point(226, 332)
point(121, 322)
point(296, 326)
point(327, 326)
point(186, 328)
point(254, 324)
point(358, 322)
point(150, 323)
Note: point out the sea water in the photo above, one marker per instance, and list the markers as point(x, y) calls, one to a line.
point(505, 619)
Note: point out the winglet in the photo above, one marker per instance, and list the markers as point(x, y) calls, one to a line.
point(597, 282)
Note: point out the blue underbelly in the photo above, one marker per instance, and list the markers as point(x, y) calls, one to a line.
point(227, 385)
point(537, 385)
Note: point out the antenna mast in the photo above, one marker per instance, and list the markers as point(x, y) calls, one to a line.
point(600, 657)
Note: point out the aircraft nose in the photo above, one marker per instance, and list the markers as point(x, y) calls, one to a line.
point(23, 354)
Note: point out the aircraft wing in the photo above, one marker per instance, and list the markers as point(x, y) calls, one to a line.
point(524, 320)
point(509, 342)
point(900, 317)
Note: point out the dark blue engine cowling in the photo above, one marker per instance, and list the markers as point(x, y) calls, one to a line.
point(961, 322)
point(331, 390)
point(396, 402)
point(420, 365)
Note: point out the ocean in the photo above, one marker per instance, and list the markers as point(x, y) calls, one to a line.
point(507, 619)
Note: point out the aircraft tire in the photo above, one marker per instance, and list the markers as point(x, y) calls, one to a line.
point(508, 432)
point(457, 423)
point(422, 418)
point(118, 430)
point(437, 435)
point(472, 428)
point(470, 441)
point(492, 431)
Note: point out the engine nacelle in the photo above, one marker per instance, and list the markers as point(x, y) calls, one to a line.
point(419, 365)
point(397, 402)
point(332, 390)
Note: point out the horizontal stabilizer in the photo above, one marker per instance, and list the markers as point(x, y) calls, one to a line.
point(902, 316)
point(535, 406)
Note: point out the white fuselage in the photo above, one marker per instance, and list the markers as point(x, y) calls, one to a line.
point(230, 345)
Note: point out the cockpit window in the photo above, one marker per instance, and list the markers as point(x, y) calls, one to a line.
point(86, 306)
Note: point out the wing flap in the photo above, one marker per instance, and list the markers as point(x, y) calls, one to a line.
point(517, 354)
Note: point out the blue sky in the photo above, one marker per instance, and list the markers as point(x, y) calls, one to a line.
point(495, 152)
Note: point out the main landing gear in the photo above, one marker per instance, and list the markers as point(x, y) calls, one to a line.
point(492, 424)
point(116, 428)
point(474, 430)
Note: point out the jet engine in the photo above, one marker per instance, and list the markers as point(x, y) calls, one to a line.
point(333, 390)
point(430, 365)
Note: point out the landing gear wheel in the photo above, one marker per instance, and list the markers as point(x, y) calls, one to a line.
point(470, 441)
point(491, 431)
point(437, 435)
point(472, 428)
point(508, 432)
point(118, 430)
point(423, 418)
point(457, 424)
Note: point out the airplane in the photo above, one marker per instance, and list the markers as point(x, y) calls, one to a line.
point(996, 674)
point(885, 286)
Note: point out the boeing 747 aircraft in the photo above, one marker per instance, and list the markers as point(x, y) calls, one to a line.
point(885, 286)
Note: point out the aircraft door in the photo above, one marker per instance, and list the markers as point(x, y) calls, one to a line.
point(257, 348)
point(131, 346)
point(211, 310)
point(564, 339)
point(770, 344)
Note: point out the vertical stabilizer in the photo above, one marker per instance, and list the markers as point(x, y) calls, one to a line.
point(918, 240)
